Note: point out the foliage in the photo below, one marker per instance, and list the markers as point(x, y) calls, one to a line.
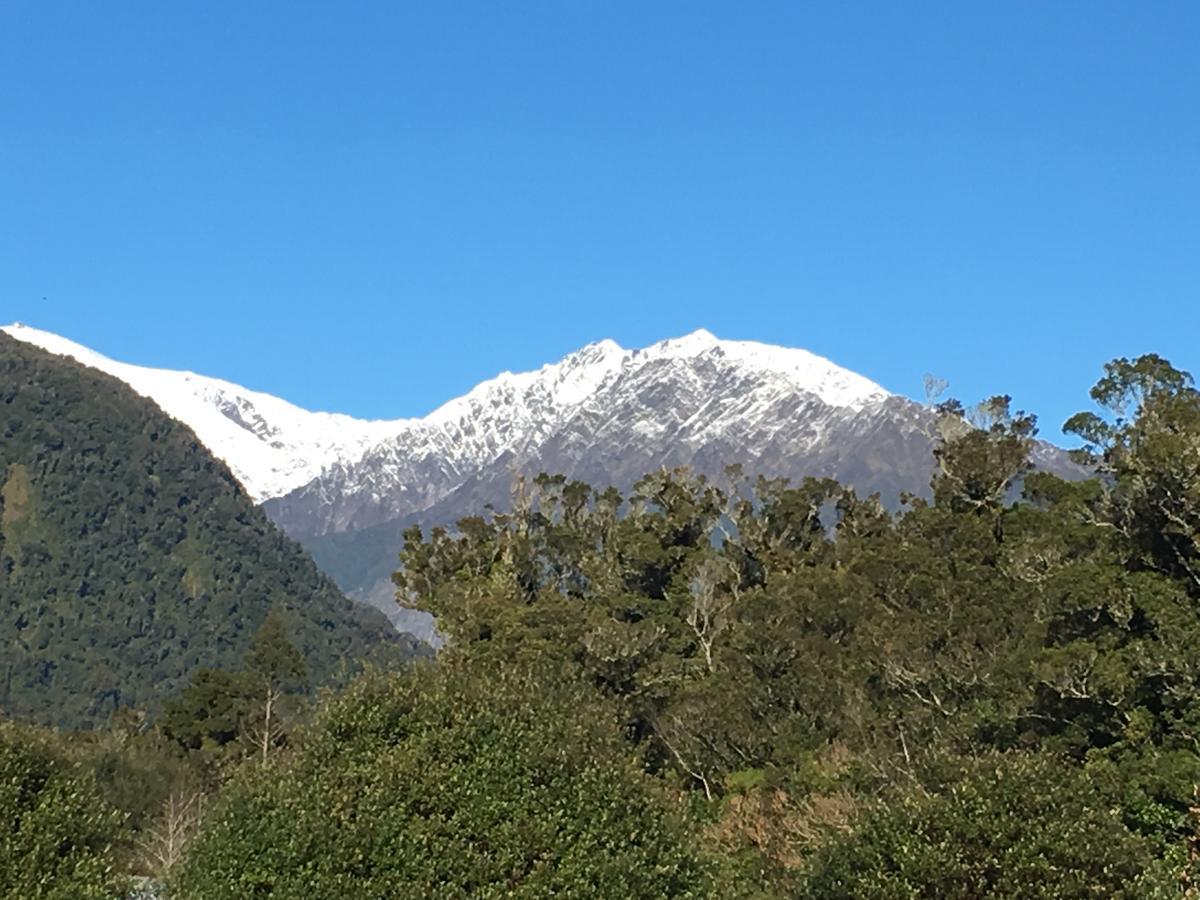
point(449, 784)
point(1148, 441)
point(222, 717)
point(272, 659)
point(130, 557)
point(209, 712)
point(744, 628)
point(57, 834)
point(1015, 828)
point(981, 454)
point(726, 687)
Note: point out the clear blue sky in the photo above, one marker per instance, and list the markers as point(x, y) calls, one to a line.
point(370, 207)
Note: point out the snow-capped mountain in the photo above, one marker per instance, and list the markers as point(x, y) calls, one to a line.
point(606, 415)
point(276, 449)
point(359, 472)
point(599, 408)
point(271, 446)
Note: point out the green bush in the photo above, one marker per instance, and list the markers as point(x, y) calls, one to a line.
point(1019, 827)
point(448, 784)
point(56, 831)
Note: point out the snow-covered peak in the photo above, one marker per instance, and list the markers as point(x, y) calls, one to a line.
point(564, 384)
point(806, 371)
point(578, 376)
point(271, 446)
point(802, 370)
point(689, 346)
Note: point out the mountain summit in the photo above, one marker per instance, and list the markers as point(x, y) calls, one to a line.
point(602, 413)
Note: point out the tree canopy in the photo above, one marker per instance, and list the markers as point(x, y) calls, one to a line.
point(752, 632)
point(58, 833)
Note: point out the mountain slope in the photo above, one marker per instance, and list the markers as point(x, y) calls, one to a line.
point(129, 556)
point(607, 416)
point(696, 402)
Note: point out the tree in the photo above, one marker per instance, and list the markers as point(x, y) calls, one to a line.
point(1148, 443)
point(981, 453)
point(222, 715)
point(162, 842)
point(274, 666)
point(209, 713)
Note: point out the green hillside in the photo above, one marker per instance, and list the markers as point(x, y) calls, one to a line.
point(129, 556)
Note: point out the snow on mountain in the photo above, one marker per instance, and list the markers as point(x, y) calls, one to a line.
point(799, 369)
point(275, 448)
point(271, 446)
point(598, 402)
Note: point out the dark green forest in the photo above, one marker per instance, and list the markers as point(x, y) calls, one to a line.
point(709, 688)
point(130, 557)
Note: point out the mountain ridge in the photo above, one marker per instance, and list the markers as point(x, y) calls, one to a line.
point(548, 416)
point(271, 445)
point(602, 414)
point(275, 447)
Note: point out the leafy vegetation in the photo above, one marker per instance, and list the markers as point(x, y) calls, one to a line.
point(1017, 827)
point(792, 653)
point(58, 831)
point(742, 689)
point(129, 557)
point(449, 785)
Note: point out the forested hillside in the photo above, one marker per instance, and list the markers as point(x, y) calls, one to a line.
point(733, 689)
point(129, 557)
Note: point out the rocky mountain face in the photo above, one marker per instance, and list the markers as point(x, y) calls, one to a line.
point(606, 415)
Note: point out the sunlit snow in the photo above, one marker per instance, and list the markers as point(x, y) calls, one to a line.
point(274, 447)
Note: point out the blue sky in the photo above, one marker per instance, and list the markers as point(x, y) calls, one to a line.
point(369, 207)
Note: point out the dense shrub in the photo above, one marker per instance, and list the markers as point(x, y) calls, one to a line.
point(449, 784)
point(1015, 828)
point(56, 832)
